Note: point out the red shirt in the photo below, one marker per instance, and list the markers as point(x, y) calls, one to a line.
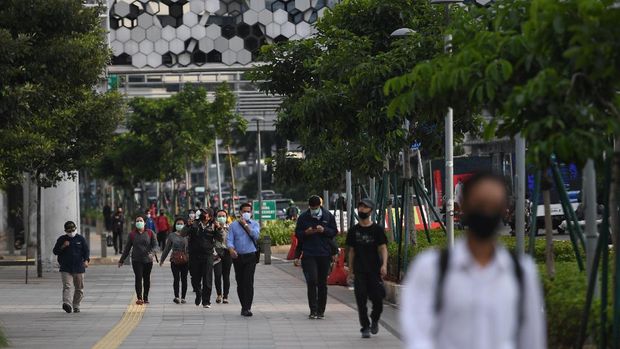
point(162, 224)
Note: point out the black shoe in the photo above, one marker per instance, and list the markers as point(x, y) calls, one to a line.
point(246, 313)
point(76, 310)
point(225, 300)
point(320, 316)
point(374, 327)
point(146, 301)
point(176, 300)
point(365, 333)
point(66, 307)
point(197, 301)
point(313, 316)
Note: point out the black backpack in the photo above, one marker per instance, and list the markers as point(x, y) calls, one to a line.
point(444, 258)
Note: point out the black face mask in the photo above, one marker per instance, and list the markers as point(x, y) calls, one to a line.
point(363, 215)
point(482, 225)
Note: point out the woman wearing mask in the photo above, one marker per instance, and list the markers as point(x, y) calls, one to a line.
point(222, 268)
point(178, 260)
point(150, 222)
point(142, 243)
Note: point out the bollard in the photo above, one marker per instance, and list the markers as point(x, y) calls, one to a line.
point(87, 235)
point(104, 245)
point(267, 249)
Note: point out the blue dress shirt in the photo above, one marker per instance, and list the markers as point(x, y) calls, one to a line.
point(239, 240)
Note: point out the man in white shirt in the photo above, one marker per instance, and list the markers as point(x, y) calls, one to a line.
point(477, 295)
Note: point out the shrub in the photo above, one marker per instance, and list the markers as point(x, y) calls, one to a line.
point(279, 231)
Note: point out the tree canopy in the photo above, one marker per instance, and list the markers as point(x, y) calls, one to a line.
point(52, 55)
point(332, 85)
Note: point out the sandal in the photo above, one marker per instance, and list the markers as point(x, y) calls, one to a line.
point(139, 302)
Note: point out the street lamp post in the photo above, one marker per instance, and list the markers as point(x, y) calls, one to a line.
point(219, 179)
point(259, 170)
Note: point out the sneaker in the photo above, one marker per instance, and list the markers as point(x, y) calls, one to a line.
point(320, 316)
point(206, 305)
point(197, 301)
point(76, 310)
point(218, 299)
point(246, 313)
point(66, 307)
point(183, 301)
point(365, 333)
point(176, 300)
point(374, 327)
point(225, 300)
point(139, 302)
point(146, 301)
point(313, 316)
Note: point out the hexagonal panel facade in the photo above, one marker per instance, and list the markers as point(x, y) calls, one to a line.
point(181, 33)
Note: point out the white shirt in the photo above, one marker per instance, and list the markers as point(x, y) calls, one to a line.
point(479, 304)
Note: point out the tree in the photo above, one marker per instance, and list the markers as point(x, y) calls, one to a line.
point(332, 84)
point(52, 122)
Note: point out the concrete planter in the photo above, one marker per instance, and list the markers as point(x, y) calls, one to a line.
point(282, 249)
point(392, 292)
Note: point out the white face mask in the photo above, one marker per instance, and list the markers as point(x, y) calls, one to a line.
point(72, 234)
point(148, 215)
point(246, 215)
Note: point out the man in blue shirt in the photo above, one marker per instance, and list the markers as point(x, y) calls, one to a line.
point(242, 244)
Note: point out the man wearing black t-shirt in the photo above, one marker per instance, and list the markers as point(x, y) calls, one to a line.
point(368, 264)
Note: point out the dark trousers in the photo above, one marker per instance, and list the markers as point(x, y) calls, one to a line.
point(142, 272)
point(222, 271)
point(161, 239)
point(368, 287)
point(117, 236)
point(201, 269)
point(179, 273)
point(245, 266)
point(316, 270)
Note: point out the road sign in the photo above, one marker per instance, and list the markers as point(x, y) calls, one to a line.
point(268, 211)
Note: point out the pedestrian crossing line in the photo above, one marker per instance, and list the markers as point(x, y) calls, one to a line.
point(123, 328)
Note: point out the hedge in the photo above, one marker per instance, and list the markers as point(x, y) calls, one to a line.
point(279, 231)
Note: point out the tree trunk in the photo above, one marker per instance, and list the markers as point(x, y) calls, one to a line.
point(549, 258)
point(614, 219)
point(39, 235)
point(232, 178)
point(207, 198)
point(188, 180)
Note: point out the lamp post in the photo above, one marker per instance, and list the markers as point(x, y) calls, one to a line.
point(219, 179)
point(259, 169)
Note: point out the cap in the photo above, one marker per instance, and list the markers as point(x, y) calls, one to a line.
point(70, 226)
point(366, 202)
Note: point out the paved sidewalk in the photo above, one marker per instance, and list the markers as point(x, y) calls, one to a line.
point(31, 316)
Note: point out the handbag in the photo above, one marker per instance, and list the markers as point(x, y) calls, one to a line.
point(179, 257)
point(109, 241)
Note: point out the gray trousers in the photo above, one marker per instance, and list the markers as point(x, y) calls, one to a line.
point(76, 281)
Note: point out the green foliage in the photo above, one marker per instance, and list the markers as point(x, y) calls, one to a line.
point(51, 120)
point(332, 85)
point(547, 69)
point(3, 341)
point(279, 231)
point(167, 134)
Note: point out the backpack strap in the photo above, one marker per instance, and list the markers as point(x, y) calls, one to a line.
point(518, 273)
point(444, 258)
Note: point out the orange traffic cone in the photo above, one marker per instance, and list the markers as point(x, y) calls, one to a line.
point(338, 276)
point(291, 252)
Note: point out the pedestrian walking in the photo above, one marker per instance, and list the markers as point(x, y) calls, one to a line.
point(143, 245)
point(163, 228)
point(150, 222)
point(292, 212)
point(223, 263)
point(243, 247)
point(477, 295)
point(73, 257)
point(201, 242)
point(107, 218)
point(368, 256)
point(179, 260)
point(315, 230)
point(118, 221)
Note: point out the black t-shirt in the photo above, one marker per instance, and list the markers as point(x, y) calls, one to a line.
point(366, 241)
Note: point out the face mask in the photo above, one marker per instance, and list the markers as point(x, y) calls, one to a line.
point(197, 214)
point(148, 215)
point(221, 220)
point(246, 215)
point(192, 216)
point(363, 215)
point(72, 234)
point(180, 227)
point(315, 212)
point(482, 225)
point(140, 225)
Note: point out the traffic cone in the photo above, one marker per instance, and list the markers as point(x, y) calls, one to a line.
point(291, 252)
point(338, 276)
